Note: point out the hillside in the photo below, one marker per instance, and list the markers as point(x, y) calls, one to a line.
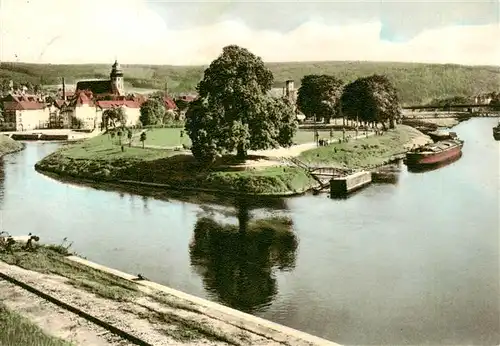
point(417, 83)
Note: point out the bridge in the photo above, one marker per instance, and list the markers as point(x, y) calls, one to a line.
point(447, 107)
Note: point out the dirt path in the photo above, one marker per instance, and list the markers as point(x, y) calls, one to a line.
point(54, 320)
point(152, 316)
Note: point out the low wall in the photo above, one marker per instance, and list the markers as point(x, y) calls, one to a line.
point(25, 137)
point(38, 137)
point(54, 137)
point(243, 320)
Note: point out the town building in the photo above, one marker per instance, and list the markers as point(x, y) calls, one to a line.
point(114, 86)
point(24, 113)
point(82, 109)
point(85, 110)
point(92, 98)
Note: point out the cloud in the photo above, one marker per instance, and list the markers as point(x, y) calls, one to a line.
point(98, 31)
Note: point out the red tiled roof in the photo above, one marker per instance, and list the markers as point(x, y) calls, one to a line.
point(105, 104)
point(169, 103)
point(84, 99)
point(23, 105)
point(23, 102)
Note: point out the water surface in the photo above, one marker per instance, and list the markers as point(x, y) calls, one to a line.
point(412, 263)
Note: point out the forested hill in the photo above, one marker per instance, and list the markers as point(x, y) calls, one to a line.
point(416, 83)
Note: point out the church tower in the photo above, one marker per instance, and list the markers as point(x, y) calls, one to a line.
point(116, 77)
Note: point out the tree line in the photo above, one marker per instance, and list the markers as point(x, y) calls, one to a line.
point(6, 85)
point(369, 100)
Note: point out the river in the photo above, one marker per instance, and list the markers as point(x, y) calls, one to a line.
point(415, 262)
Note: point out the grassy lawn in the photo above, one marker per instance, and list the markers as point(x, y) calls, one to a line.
point(16, 330)
point(166, 137)
point(170, 137)
point(365, 152)
point(104, 148)
point(51, 260)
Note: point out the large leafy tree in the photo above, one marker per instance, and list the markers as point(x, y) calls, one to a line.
point(114, 117)
point(181, 104)
point(319, 96)
point(234, 112)
point(371, 99)
point(152, 111)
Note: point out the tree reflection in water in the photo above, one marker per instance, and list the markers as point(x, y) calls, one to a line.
point(237, 262)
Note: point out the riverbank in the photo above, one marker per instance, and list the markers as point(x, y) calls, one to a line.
point(8, 146)
point(154, 313)
point(101, 159)
point(366, 153)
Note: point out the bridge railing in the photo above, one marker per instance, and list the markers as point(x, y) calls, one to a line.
point(447, 106)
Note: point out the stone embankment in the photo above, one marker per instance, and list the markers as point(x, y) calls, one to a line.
point(157, 314)
point(52, 135)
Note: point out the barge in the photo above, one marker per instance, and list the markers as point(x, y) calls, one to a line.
point(435, 153)
point(441, 135)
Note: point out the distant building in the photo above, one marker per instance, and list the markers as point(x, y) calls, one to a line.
point(85, 110)
point(113, 86)
point(85, 107)
point(24, 113)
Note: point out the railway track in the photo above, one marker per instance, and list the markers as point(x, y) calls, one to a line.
point(92, 319)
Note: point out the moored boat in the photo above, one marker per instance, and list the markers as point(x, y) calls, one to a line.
point(496, 132)
point(441, 135)
point(435, 153)
point(429, 168)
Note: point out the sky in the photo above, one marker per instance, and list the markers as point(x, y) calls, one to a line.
point(194, 33)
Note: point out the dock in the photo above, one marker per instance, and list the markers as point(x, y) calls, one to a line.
point(344, 185)
point(340, 181)
point(38, 137)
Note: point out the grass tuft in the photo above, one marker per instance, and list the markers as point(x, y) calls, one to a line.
point(16, 330)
